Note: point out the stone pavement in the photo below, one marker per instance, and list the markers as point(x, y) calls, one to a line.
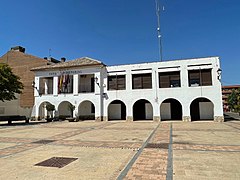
point(122, 150)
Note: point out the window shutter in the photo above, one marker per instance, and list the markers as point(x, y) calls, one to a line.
point(147, 81)
point(164, 81)
point(121, 82)
point(206, 77)
point(137, 82)
point(111, 83)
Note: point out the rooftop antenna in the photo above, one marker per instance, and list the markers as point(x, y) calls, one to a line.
point(49, 53)
point(158, 29)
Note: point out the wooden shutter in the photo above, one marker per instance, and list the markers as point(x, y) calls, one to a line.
point(164, 80)
point(136, 81)
point(112, 83)
point(206, 77)
point(147, 81)
point(121, 83)
point(175, 79)
point(50, 85)
point(194, 75)
point(42, 85)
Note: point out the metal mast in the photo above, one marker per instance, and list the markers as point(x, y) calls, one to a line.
point(159, 30)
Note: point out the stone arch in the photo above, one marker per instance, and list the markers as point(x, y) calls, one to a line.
point(142, 110)
point(86, 110)
point(171, 109)
point(201, 109)
point(117, 110)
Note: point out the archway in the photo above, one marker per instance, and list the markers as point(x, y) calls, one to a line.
point(86, 110)
point(201, 109)
point(64, 110)
point(142, 110)
point(171, 109)
point(43, 113)
point(116, 110)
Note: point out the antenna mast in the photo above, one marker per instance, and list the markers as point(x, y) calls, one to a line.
point(49, 53)
point(158, 29)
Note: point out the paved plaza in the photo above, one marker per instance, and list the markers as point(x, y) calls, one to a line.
point(120, 150)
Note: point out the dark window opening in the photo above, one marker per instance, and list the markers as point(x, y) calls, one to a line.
point(86, 83)
point(65, 84)
point(201, 77)
point(117, 82)
point(92, 108)
point(46, 85)
point(169, 79)
point(142, 81)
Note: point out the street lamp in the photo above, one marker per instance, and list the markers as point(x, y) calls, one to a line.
point(219, 72)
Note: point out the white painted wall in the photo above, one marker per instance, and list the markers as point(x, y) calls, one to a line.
point(206, 110)
point(165, 111)
point(184, 94)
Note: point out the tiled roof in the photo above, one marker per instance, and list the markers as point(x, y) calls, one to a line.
point(84, 61)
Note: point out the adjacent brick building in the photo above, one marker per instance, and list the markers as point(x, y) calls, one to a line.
point(226, 91)
point(21, 63)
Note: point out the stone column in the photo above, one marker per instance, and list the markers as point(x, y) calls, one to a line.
point(156, 119)
point(186, 118)
point(129, 119)
point(55, 85)
point(218, 119)
point(75, 84)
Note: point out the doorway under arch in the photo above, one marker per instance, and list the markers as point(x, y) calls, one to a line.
point(116, 110)
point(142, 110)
point(43, 113)
point(64, 110)
point(86, 110)
point(171, 109)
point(201, 109)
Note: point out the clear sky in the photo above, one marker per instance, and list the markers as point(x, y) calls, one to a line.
point(124, 31)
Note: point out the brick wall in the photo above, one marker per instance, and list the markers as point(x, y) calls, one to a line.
point(21, 64)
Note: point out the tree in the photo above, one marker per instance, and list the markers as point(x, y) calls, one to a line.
point(237, 105)
point(234, 100)
point(50, 107)
point(71, 108)
point(9, 83)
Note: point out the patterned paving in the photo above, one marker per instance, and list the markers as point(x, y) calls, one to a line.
point(153, 161)
point(170, 150)
point(206, 147)
point(24, 144)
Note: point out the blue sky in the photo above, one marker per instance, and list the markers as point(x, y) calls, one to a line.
point(124, 31)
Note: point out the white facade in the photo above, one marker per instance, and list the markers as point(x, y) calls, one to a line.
point(182, 99)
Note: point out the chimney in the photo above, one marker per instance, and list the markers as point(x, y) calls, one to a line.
point(63, 59)
point(18, 48)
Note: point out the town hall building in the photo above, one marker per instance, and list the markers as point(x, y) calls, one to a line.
point(184, 90)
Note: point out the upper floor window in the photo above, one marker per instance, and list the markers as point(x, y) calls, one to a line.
point(169, 79)
point(65, 84)
point(117, 82)
point(201, 77)
point(86, 83)
point(46, 85)
point(142, 81)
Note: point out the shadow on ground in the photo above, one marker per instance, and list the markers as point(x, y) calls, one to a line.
point(229, 116)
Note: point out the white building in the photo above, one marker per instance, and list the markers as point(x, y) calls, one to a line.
point(184, 90)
